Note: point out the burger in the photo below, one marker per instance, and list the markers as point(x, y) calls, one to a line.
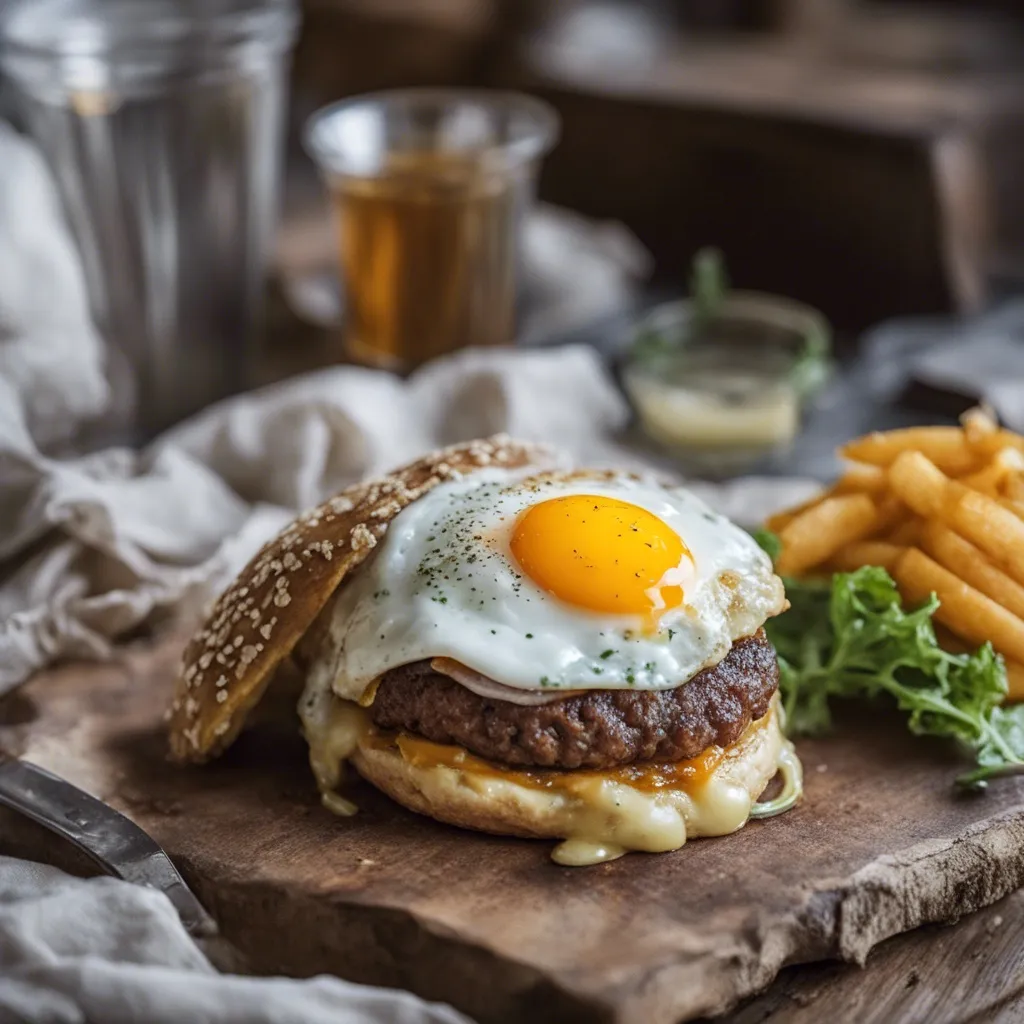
point(511, 647)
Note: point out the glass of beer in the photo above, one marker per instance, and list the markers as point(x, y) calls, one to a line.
point(429, 189)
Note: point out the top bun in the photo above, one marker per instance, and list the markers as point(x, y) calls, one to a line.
point(259, 619)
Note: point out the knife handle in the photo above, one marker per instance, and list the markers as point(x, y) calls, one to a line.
point(106, 836)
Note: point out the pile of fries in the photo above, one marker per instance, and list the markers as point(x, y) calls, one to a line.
point(942, 509)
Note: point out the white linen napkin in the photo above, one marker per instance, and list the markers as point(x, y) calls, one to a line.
point(75, 950)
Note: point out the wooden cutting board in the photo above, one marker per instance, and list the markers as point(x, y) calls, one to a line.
point(880, 845)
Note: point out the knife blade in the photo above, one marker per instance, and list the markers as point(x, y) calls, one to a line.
point(112, 841)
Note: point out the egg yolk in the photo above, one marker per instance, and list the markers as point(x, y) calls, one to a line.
point(602, 554)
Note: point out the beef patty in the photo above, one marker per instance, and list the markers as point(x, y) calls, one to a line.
point(598, 729)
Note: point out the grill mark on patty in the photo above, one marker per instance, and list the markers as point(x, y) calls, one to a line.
point(598, 729)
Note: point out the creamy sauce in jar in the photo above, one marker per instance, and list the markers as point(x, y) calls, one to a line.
point(718, 408)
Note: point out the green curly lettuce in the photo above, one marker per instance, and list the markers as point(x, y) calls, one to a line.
point(851, 637)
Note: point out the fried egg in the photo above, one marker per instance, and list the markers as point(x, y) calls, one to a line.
point(553, 582)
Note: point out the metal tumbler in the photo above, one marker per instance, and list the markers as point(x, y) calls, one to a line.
point(162, 121)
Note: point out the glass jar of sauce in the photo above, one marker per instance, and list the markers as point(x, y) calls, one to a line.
point(720, 394)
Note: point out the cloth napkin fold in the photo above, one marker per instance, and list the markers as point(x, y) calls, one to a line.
point(101, 950)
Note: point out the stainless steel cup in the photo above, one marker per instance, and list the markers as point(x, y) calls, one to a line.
point(162, 123)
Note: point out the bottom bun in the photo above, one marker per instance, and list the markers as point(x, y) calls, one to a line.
point(599, 814)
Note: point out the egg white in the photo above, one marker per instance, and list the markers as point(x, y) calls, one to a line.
point(443, 583)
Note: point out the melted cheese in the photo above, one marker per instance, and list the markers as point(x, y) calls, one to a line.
point(600, 814)
point(686, 775)
point(333, 730)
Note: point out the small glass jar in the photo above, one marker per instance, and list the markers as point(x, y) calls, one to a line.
point(722, 393)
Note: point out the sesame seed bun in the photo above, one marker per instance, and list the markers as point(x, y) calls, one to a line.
point(256, 623)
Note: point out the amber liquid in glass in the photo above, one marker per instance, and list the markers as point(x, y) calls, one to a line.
point(429, 256)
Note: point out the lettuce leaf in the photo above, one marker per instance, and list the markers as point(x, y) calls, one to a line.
point(851, 637)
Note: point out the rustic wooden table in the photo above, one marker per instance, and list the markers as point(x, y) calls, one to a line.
point(968, 973)
point(654, 940)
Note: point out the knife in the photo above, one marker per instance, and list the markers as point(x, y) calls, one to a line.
point(116, 844)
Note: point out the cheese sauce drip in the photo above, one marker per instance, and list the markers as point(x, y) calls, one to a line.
point(601, 814)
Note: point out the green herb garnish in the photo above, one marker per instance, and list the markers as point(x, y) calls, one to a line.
point(769, 543)
point(852, 637)
point(709, 284)
point(708, 289)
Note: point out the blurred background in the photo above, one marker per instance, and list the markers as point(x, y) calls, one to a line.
point(860, 158)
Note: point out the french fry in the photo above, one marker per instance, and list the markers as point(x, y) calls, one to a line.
point(1016, 507)
point(988, 480)
point(1012, 458)
point(858, 478)
point(961, 557)
point(905, 534)
point(861, 477)
point(1013, 487)
point(949, 641)
point(978, 424)
point(942, 510)
point(946, 447)
point(780, 520)
point(819, 532)
point(1014, 680)
point(1007, 464)
point(988, 525)
point(966, 611)
point(982, 520)
point(867, 552)
point(890, 513)
point(918, 482)
point(989, 444)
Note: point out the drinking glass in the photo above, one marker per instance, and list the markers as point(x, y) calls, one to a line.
point(162, 123)
point(429, 189)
